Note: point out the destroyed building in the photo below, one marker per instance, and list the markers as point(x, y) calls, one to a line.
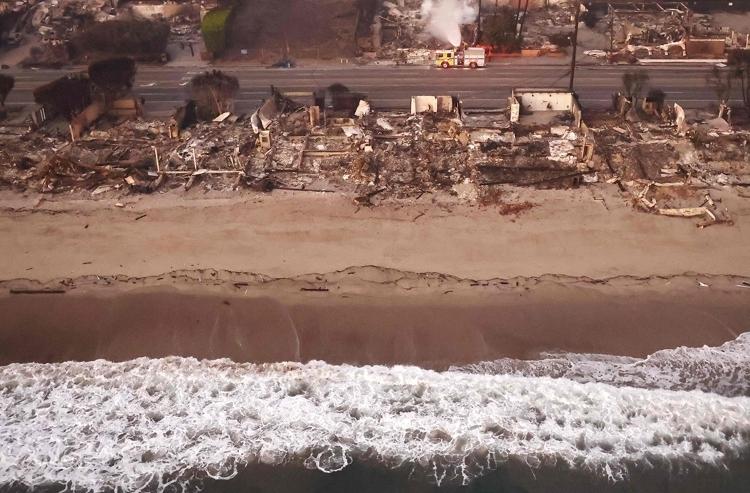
point(670, 163)
point(549, 141)
point(335, 142)
point(332, 140)
point(58, 27)
point(664, 30)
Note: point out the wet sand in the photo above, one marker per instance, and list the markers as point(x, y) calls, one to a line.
point(365, 316)
point(230, 276)
point(513, 477)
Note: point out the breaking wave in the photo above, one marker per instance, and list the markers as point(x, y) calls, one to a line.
point(723, 370)
point(170, 424)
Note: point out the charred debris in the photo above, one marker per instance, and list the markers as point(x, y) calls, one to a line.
point(664, 159)
point(402, 31)
point(327, 141)
point(79, 31)
point(668, 30)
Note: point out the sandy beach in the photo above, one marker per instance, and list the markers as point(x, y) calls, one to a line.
point(581, 233)
point(198, 279)
point(313, 277)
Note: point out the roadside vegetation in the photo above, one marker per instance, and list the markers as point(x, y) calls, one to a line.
point(143, 40)
point(113, 77)
point(214, 30)
point(66, 96)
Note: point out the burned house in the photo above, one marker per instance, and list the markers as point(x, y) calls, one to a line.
point(81, 99)
point(547, 143)
point(674, 162)
point(666, 30)
point(306, 142)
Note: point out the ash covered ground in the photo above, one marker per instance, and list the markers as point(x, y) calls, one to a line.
point(178, 423)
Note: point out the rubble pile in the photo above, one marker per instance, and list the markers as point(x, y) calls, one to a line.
point(626, 32)
point(183, 17)
point(290, 146)
point(56, 22)
point(138, 155)
point(539, 155)
point(647, 31)
point(549, 30)
point(675, 173)
point(404, 36)
point(389, 154)
point(736, 34)
point(667, 30)
point(664, 162)
point(423, 152)
point(399, 33)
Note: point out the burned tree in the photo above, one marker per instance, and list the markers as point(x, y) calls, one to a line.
point(185, 116)
point(504, 28)
point(721, 81)
point(213, 93)
point(656, 97)
point(739, 63)
point(142, 40)
point(341, 98)
point(6, 85)
point(625, 102)
point(66, 96)
point(633, 84)
point(113, 77)
point(501, 30)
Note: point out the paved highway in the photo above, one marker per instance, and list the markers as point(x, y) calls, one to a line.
point(389, 87)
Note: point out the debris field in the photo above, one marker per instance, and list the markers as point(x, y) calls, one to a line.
point(348, 147)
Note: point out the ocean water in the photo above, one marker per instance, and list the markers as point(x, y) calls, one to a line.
point(179, 424)
point(723, 370)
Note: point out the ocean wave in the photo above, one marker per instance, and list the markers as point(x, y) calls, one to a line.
point(152, 424)
point(723, 370)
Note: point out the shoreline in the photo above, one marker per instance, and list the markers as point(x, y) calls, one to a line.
point(364, 316)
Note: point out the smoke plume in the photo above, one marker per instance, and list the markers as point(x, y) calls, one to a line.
point(445, 17)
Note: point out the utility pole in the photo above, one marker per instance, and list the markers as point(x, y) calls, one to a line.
point(479, 22)
point(575, 46)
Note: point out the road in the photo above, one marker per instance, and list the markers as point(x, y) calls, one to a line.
point(390, 87)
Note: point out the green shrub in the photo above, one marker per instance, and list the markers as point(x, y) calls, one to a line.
point(214, 29)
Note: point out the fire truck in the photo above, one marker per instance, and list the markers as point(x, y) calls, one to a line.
point(467, 57)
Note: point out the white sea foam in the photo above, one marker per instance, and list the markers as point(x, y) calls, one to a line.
point(723, 370)
point(145, 423)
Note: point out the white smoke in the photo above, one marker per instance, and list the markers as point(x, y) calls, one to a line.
point(445, 17)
